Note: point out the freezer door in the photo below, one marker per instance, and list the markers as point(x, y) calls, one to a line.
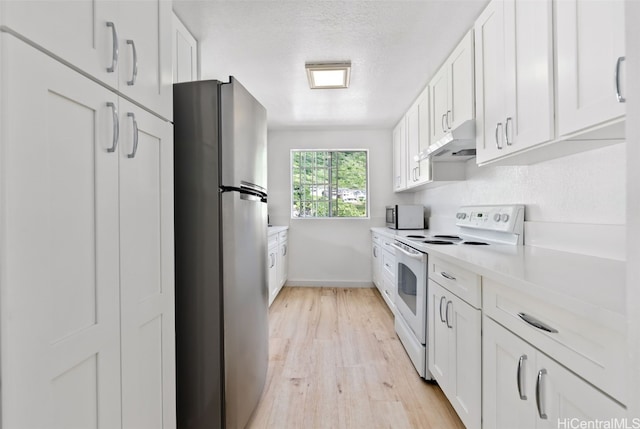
point(245, 291)
point(244, 137)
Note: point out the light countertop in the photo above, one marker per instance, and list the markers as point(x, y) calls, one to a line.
point(590, 286)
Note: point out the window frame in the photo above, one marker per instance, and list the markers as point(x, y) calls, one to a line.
point(367, 190)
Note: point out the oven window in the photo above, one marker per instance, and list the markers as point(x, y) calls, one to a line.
point(407, 284)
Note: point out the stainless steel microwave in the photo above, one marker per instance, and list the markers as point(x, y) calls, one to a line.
point(405, 216)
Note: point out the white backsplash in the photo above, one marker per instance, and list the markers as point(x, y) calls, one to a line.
point(587, 189)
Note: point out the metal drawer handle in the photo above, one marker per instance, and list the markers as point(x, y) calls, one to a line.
point(135, 135)
point(115, 49)
point(498, 126)
point(116, 127)
point(540, 395)
point(619, 97)
point(447, 314)
point(284, 250)
point(444, 127)
point(447, 276)
point(375, 253)
point(135, 63)
point(537, 323)
point(449, 122)
point(442, 298)
point(520, 377)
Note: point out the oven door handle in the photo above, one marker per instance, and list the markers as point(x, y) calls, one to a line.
point(417, 255)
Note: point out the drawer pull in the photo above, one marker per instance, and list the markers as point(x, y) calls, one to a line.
point(520, 377)
point(536, 323)
point(442, 319)
point(540, 395)
point(447, 314)
point(447, 276)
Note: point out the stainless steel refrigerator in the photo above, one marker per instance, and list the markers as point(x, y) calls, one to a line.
point(221, 251)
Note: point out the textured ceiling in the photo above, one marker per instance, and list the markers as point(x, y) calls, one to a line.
point(394, 48)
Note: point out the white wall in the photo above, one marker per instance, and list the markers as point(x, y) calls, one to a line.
point(564, 198)
point(330, 252)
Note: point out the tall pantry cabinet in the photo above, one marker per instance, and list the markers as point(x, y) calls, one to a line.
point(86, 216)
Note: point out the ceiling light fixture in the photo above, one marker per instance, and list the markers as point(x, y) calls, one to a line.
point(328, 75)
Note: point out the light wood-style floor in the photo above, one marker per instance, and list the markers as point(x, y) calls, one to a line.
point(336, 362)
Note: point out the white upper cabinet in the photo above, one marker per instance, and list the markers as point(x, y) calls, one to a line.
point(590, 48)
point(124, 44)
point(185, 53)
point(400, 156)
point(514, 77)
point(417, 124)
point(452, 98)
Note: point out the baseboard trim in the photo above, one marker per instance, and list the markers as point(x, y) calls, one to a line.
point(329, 283)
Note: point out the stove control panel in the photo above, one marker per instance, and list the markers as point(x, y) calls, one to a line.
point(501, 218)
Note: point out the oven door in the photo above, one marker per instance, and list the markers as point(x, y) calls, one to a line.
point(411, 288)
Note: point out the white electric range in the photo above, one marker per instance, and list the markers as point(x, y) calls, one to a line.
point(489, 226)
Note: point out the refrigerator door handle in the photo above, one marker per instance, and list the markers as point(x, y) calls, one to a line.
point(246, 193)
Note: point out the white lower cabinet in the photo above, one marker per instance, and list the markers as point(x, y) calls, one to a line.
point(388, 268)
point(454, 352)
point(524, 388)
point(376, 261)
point(277, 262)
point(86, 252)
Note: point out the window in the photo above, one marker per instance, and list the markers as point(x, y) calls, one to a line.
point(329, 184)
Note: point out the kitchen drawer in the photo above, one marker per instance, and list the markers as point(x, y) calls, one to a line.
point(593, 351)
point(282, 236)
point(463, 283)
point(389, 264)
point(376, 237)
point(273, 240)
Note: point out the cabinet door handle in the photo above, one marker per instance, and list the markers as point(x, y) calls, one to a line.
point(116, 127)
point(375, 253)
point(540, 394)
point(537, 323)
point(447, 276)
point(444, 127)
point(498, 126)
point(449, 122)
point(272, 256)
point(284, 250)
point(115, 50)
point(134, 74)
point(506, 130)
point(442, 298)
point(447, 314)
point(520, 377)
point(619, 96)
point(135, 135)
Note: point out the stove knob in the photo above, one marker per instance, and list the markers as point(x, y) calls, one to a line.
point(505, 218)
point(496, 217)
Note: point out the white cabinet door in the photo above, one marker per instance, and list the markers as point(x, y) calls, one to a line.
point(508, 379)
point(147, 274)
point(376, 261)
point(439, 91)
point(145, 54)
point(272, 265)
point(185, 53)
point(528, 118)
point(417, 123)
point(438, 347)
point(283, 261)
point(465, 384)
point(60, 323)
point(490, 80)
point(399, 156)
point(589, 41)
point(461, 95)
point(565, 396)
point(74, 30)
